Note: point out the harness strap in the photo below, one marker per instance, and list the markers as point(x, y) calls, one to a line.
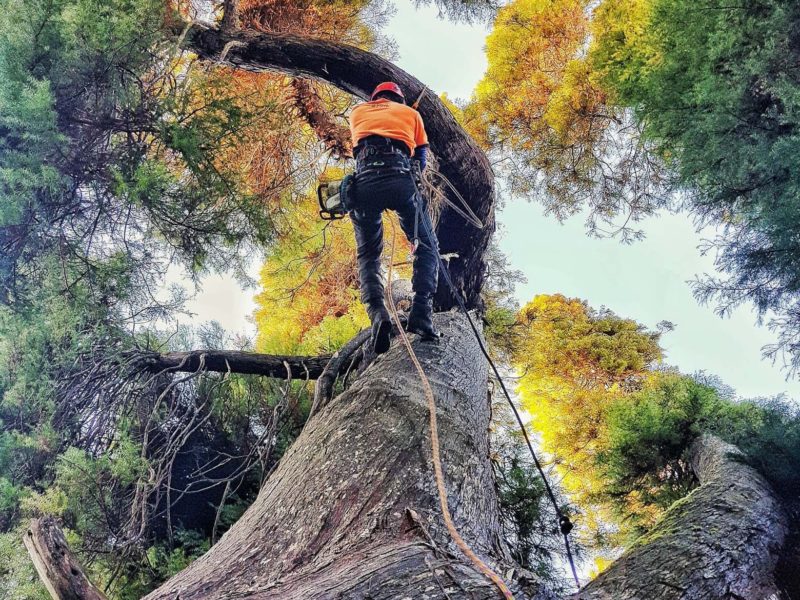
point(416, 202)
point(380, 170)
point(383, 146)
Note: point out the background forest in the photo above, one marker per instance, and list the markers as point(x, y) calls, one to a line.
point(123, 158)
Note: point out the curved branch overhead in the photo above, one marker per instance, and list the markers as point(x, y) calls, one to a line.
point(357, 71)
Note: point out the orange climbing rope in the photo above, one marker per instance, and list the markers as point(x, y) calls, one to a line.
point(437, 463)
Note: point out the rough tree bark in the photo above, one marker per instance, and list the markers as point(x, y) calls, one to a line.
point(351, 512)
point(721, 542)
point(358, 72)
point(59, 570)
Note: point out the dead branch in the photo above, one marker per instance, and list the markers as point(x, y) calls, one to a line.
point(56, 564)
point(324, 388)
point(245, 363)
point(311, 107)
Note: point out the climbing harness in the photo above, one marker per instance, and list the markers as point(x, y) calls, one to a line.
point(437, 461)
point(564, 523)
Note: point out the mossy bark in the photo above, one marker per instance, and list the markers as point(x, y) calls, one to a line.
point(722, 542)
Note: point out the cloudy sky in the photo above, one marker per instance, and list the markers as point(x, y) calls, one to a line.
point(647, 281)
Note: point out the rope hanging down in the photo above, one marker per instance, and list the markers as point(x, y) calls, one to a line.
point(466, 212)
point(564, 523)
point(437, 462)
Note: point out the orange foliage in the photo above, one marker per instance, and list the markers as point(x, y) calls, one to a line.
point(328, 19)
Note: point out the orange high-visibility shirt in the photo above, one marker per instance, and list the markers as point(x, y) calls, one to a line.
point(388, 119)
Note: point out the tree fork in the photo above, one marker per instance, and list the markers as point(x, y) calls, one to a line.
point(352, 509)
point(357, 71)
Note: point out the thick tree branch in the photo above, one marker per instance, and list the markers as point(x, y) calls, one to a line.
point(230, 15)
point(722, 541)
point(357, 71)
point(248, 363)
point(55, 563)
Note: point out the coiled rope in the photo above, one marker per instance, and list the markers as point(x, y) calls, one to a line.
point(437, 462)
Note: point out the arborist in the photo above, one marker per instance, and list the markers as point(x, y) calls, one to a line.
point(389, 143)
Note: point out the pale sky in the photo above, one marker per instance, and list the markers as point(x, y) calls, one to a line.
point(646, 281)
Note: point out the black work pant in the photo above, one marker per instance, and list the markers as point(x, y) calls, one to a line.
point(377, 189)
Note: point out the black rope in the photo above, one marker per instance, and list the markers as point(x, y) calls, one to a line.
point(564, 523)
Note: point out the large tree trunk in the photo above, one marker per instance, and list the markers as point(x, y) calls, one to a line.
point(721, 542)
point(352, 510)
point(358, 72)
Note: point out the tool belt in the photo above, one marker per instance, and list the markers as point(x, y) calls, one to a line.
point(375, 153)
point(383, 145)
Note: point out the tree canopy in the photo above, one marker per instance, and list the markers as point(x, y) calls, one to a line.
point(622, 108)
point(126, 157)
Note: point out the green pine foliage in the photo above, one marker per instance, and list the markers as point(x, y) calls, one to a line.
point(109, 134)
point(650, 433)
point(717, 90)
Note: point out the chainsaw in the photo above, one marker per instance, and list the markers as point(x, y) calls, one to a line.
point(334, 198)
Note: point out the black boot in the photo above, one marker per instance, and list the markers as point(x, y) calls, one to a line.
point(381, 326)
point(420, 319)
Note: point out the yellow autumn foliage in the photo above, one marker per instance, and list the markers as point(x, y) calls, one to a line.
point(622, 49)
point(529, 51)
point(574, 363)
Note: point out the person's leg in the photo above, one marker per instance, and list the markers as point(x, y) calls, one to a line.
point(426, 265)
point(368, 227)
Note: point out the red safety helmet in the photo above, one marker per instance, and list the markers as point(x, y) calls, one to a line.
point(387, 86)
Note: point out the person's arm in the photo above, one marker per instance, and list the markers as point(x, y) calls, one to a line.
point(354, 126)
point(421, 156)
point(421, 140)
